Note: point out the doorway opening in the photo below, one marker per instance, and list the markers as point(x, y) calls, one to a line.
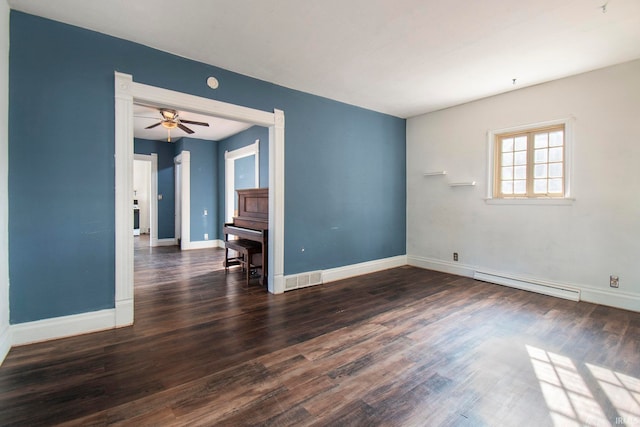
point(145, 194)
point(126, 93)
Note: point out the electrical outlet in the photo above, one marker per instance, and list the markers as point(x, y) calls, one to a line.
point(614, 281)
point(206, 236)
point(455, 256)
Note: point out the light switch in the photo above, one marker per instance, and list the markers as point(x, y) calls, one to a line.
point(159, 196)
point(205, 212)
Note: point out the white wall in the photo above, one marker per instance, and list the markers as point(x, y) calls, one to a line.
point(141, 191)
point(5, 339)
point(581, 244)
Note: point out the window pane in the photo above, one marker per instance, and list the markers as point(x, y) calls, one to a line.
point(555, 186)
point(540, 156)
point(521, 143)
point(540, 186)
point(555, 154)
point(507, 145)
point(520, 172)
point(507, 173)
point(507, 159)
point(541, 140)
point(555, 170)
point(507, 187)
point(519, 187)
point(556, 139)
point(540, 171)
point(520, 158)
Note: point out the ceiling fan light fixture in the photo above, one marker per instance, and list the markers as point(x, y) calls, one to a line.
point(170, 124)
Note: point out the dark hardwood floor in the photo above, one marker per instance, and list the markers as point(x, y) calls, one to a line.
point(400, 347)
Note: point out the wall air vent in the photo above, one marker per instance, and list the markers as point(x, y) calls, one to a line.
point(302, 280)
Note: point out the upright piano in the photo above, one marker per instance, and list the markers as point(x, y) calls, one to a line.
point(251, 223)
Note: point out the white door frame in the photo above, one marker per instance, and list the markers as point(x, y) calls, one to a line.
point(126, 93)
point(230, 158)
point(153, 195)
point(183, 202)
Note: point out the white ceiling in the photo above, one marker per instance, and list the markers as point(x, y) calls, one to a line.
point(402, 57)
point(218, 129)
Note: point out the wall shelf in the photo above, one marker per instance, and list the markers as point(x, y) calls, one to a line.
point(462, 184)
point(434, 173)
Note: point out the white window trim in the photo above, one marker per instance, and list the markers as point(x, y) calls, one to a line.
point(230, 158)
point(569, 138)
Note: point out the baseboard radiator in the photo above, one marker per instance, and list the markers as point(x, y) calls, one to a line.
point(546, 288)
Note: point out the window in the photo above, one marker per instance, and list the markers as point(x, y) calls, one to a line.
point(530, 163)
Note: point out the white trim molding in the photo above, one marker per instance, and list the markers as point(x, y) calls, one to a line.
point(202, 244)
point(275, 281)
point(167, 242)
point(5, 342)
point(123, 190)
point(65, 326)
point(229, 174)
point(184, 160)
point(339, 273)
point(312, 278)
point(456, 268)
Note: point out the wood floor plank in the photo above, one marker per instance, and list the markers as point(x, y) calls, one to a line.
point(401, 347)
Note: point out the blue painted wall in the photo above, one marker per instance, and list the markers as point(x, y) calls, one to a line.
point(166, 182)
point(244, 173)
point(344, 176)
point(235, 142)
point(204, 187)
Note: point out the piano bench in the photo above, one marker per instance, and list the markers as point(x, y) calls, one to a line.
point(246, 250)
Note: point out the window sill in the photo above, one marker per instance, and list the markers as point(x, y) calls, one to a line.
point(542, 201)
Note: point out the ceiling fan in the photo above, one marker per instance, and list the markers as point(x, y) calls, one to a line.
point(170, 120)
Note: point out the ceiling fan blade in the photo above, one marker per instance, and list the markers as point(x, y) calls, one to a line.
point(191, 122)
point(184, 128)
point(152, 126)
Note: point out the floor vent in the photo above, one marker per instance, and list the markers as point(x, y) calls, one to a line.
point(303, 280)
point(551, 289)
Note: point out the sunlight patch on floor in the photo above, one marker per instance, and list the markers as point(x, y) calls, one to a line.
point(622, 390)
point(568, 397)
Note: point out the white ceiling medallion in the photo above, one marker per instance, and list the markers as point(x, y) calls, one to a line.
point(213, 83)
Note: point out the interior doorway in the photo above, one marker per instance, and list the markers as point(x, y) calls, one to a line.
point(145, 194)
point(126, 93)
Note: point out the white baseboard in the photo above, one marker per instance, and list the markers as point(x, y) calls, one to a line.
point(318, 277)
point(202, 244)
point(65, 326)
point(456, 268)
point(166, 242)
point(347, 271)
point(124, 313)
point(611, 298)
point(5, 343)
